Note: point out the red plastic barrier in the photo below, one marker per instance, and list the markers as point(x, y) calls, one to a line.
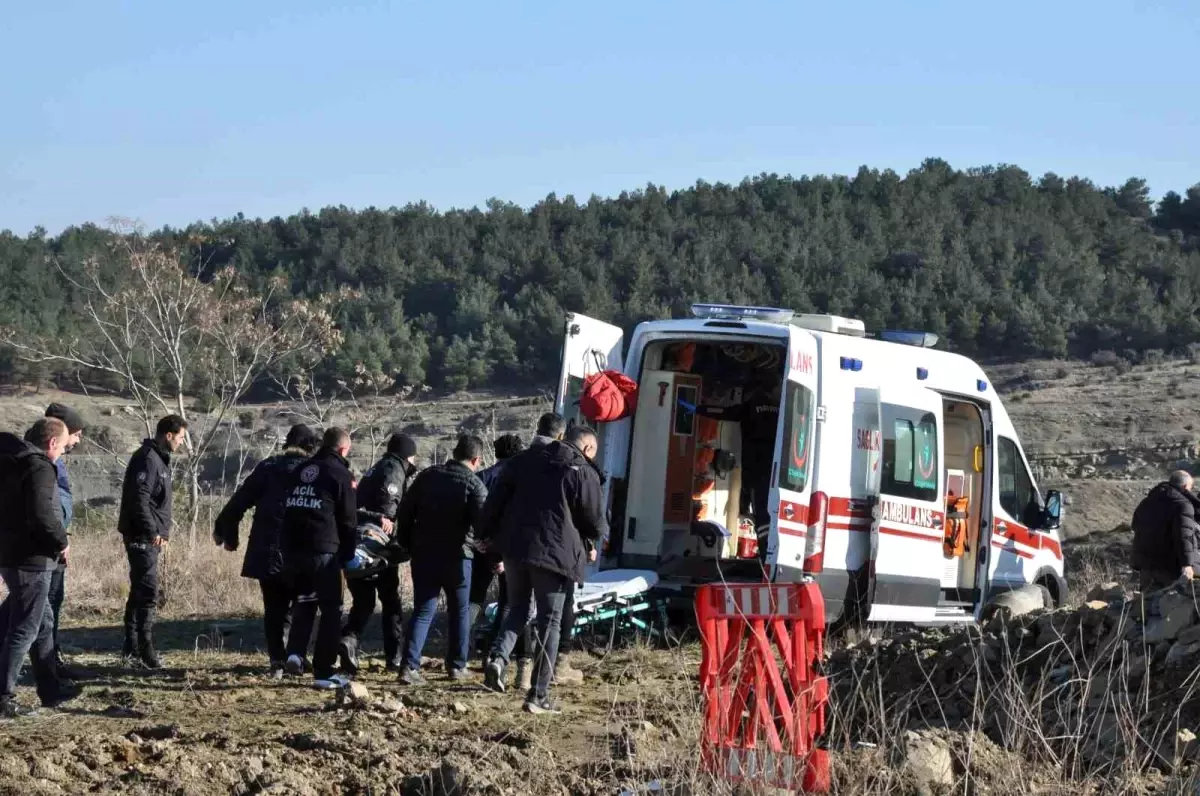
point(764, 703)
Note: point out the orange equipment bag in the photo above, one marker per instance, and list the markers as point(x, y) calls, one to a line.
point(608, 396)
point(955, 542)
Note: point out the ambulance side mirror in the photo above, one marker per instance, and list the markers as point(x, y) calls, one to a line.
point(1052, 514)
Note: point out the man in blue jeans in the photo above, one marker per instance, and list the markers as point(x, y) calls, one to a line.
point(32, 542)
point(543, 515)
point(435, 523)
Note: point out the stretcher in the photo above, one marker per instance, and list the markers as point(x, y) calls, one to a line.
point(624, 598)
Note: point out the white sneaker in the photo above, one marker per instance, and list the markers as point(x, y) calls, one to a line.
point(334, 683)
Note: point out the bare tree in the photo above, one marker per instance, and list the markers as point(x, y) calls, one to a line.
point(165, 325)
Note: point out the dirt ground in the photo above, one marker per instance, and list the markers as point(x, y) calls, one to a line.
point(211, 723)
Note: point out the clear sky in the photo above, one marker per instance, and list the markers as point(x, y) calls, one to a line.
point(171, 112)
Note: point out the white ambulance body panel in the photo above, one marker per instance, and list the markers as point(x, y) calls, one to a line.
point(856, 506)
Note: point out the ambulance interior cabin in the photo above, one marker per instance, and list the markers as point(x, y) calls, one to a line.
point(963, 449)
point(704, 409)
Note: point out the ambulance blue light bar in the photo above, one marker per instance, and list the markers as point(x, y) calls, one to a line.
point(735, 312)
point(918, 339)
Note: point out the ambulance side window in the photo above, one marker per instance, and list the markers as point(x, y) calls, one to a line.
point(910, 453)
point(797, 438)
point(1018, 498)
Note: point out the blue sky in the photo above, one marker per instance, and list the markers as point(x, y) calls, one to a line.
point(174, 112)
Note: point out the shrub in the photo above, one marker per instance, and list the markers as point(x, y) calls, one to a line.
point(1105, 359)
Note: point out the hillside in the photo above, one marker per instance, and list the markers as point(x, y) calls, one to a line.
point(997, 262)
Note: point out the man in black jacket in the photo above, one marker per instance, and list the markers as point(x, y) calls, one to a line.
point(320, 514)
point(546, 504)
point(1166, 533)
point(265, 490)
point(32, 541)
point(145, 526)
point(435, 523)
point(380, 493)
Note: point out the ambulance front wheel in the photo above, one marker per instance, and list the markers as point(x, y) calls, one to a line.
point(1053, 586)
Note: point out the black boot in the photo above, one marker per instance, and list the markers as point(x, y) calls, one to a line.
point(129, 648)
point(146, 653)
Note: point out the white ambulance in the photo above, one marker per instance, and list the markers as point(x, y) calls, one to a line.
point(893, 478)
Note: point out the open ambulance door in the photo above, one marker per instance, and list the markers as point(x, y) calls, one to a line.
point(589, 346)
point(795, 460)
point(907, 526)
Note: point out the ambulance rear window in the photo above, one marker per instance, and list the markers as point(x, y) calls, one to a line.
point(797, 438)
point(910, 453)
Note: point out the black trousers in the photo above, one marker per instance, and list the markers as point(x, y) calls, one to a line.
point(385, 586)
point(278, 595)
point(756, 491)
point(524, 646)
point(26, 628)
point(58, 593)
point(143, 591)
point(318, 582)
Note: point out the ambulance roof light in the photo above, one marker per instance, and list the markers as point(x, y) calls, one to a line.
point(919, 339)
point(831, 323)
point(733, 311)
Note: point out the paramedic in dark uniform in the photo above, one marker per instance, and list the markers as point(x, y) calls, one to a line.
point(379, 494)
point(320, 519)
point(145, 526)
point(759, 419)
point(265, 490)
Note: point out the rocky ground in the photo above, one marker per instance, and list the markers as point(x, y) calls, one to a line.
point(211, 723)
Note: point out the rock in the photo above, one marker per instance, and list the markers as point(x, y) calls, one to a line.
point(447, 780)
point(355, 694)
point(392, 706)
point(1176, 614)
point(1189, 636)
point(1096, 605)
point(460, 708)
point(928, 762)
point(1107, 592)
point(1017, 602)
point(1182, 653)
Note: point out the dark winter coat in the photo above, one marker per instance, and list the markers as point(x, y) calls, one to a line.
point(146, 495)
point(1166, 534)
point(320, 509)
point(382, 489)
point(490, 475)
point(437, 518)
point(546, 510)
point(264, 490)
point(32, 535)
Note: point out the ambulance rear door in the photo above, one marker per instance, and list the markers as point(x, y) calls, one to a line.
point(795, 459)
point(589, 346)
point(907, 528)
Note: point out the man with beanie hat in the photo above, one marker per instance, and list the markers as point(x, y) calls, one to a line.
point(379, 494)
point(264, 490)
point(58, 582)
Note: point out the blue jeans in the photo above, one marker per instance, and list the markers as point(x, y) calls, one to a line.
point(27, 628)
point(430, 579)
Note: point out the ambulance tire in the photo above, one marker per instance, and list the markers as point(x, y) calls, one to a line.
point(1054, 588)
